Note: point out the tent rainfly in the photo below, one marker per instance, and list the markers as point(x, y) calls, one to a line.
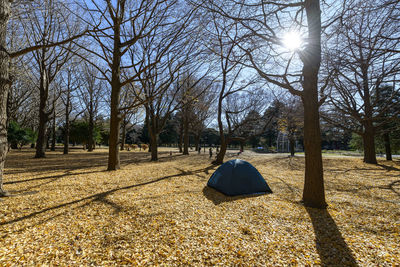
point(238, 177)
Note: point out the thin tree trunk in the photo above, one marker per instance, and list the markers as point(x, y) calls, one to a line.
point(66, 132)
point(53, 131)
point(4, 87)
point(41, 141)
point(180, 142)
point(291, 146)
point(388, 150)
point(185, 133)
point(91, 129)
point(123, 137)
point(369, 145)
point(113, 155)
point(314, 192)
point(220, 156)
point(48, 132)
point(197, 141)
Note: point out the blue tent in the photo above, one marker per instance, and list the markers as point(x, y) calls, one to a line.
point(238, 177)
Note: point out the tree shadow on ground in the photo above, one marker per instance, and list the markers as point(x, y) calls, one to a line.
point(53, 178)
point(388, 167)
point(22, 161)
point(393, 186)
point(331, 247)
point(218, 198)
point(101, 197)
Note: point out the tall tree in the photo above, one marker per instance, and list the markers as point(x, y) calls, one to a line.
point(45, 22)
point(291, 121)
point(90, 95)
point(4, 86)
point(120, 26)
point(5, 81)
point(70, 82)
point(388, 105)
point(286, 64)
point(363, 61)
point(203, 111)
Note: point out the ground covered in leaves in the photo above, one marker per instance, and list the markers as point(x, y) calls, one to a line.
point(67, 210)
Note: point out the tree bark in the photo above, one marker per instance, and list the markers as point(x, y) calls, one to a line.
point(369, 144)
point(185, 132)
point(314, 192)
point(4, 87)
point(41, 142)
point(123, 137)
point(291, 146)
point(197, 141)
point(388, 150)
point(154, 148)
point(113, 154)
point(115, 116)
point(66, 130)
point(53, 131)
point(180, 142)
point(220, 156)
point(91, 129)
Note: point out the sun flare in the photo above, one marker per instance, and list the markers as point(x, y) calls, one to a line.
point(292, 40)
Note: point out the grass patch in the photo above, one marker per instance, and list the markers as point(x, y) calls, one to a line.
point(67, 210)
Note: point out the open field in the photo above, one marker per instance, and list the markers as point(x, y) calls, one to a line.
point(67, 210)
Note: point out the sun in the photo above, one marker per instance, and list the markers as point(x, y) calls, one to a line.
point(292, 40)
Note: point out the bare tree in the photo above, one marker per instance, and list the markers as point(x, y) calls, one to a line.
point(202, 112)
point(363, 63)
point(223, 37)
point(131, 114)
point(5, 79)
point(120, 25)
point(291, 120)
point(262, 28)
point(90, 95)
point(161, 97)
point(194, 110)
point(45, 22)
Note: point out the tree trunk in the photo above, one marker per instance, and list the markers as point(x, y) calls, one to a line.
point(4, 87)
point(115, 116)
point(154, 148)
point(314, 192)
point(123, 137)
point(180, 136)
point(91, 129)
point(66, 130)
point(388, 150)
point(41, 141)
point(48, 139)
point(369, 145)
point(185, 133)
point(221, 154)
point(197, 141)
point(113, 153)
point(291, 146)
point(53, 132)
